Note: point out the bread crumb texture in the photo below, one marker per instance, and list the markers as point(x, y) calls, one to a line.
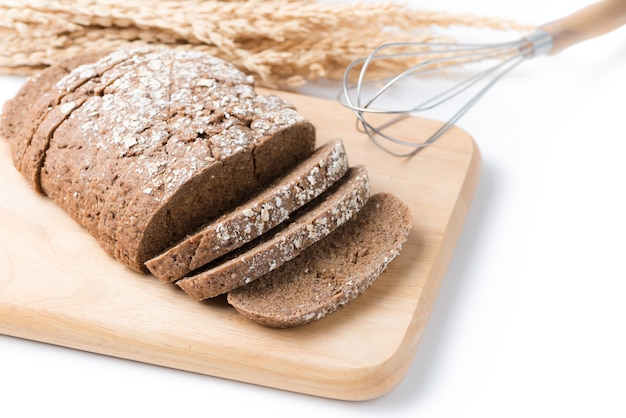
point(330, 273)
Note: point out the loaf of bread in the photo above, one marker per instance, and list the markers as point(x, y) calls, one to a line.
point(272, 206)
point(173, 162)
point(330, 273)
point(145, 145)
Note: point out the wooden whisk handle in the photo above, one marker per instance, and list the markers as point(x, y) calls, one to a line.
point(594, 20)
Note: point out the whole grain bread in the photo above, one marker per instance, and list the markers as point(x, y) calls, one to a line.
point(145, 145)
point(256, 216)
point(310, 224)
point(332, 272)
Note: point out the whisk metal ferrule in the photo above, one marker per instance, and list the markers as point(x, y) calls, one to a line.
point(538, 43)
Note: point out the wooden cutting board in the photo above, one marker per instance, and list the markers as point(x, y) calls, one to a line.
point(57, 286)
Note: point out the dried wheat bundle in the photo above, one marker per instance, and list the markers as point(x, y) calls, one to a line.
point(282, 42)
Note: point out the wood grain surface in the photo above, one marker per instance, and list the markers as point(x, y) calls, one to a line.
point(57, 286)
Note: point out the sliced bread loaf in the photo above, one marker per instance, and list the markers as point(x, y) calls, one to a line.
point(258, 215)
point(330, 273)
point(145, 145)
point(310, 224)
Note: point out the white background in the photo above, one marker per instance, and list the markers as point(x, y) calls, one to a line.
point(531, 316)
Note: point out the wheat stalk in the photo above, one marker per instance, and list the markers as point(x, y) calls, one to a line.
point(282, 42)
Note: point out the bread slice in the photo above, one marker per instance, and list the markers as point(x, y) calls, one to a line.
point(311, 224)
point(258, 215)
point(17, 111)
point(55, 105)
point(147, 144)
point(330, 273)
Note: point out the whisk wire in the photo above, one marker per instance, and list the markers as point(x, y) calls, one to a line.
point(438, 57)
point(476, 54)
point(548, 39)
point(378, 131)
